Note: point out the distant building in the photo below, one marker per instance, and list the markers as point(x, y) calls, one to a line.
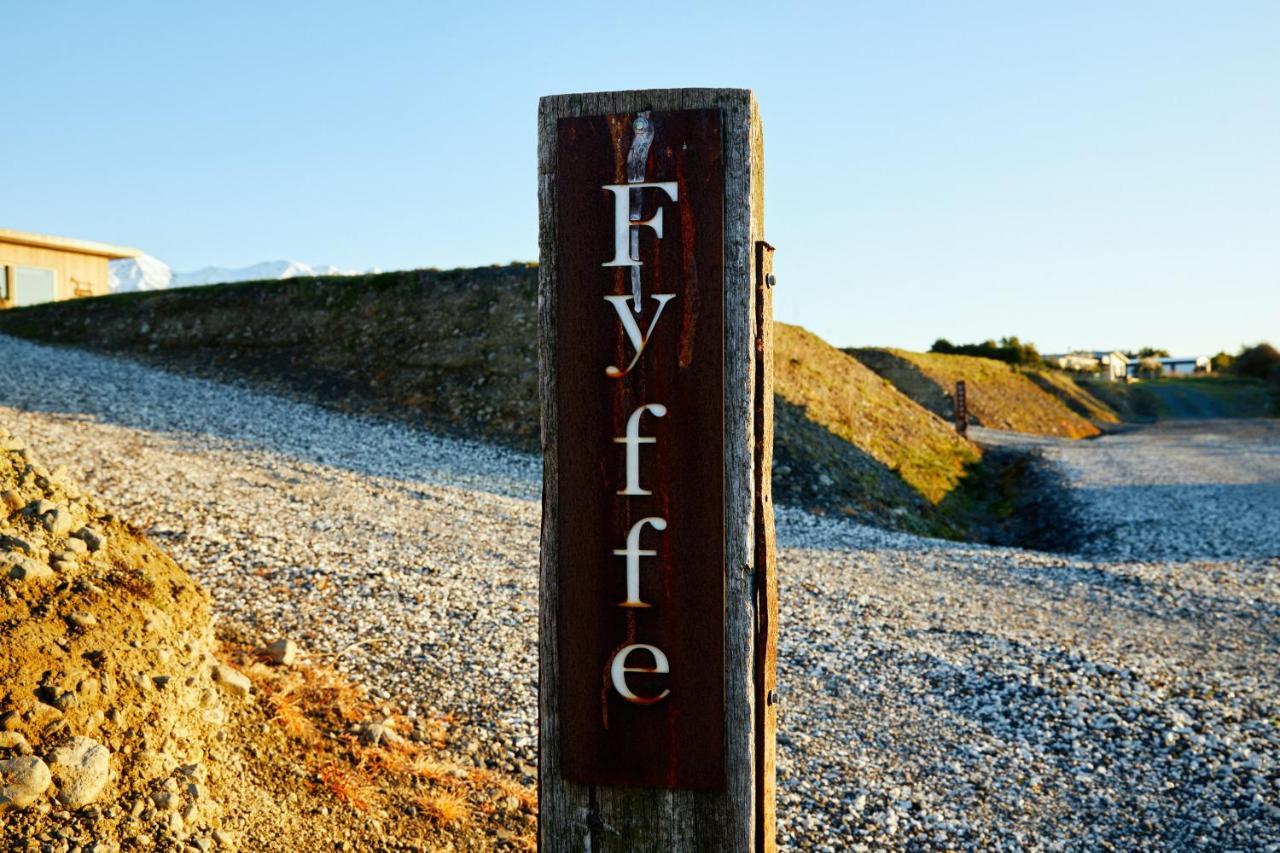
point(1110, 364)
point(1180, 366)
point(1187, 365)
point(37, 268)
point(1115, 365)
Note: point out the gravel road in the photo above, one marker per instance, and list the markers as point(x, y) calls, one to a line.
point(934, 695)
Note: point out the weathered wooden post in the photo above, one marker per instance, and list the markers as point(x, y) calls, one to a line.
point(962, 408)
point(658, 597)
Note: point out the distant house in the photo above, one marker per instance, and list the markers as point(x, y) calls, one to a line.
point(1108, 363)
point(37, 268)
point(1187, 365)
point(1179, 366)
point(1081, 361)
point(1115, 365)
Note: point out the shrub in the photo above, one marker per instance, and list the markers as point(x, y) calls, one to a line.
point(1009, 350)
point(1149, 367)
point(1221, 363)
point(1260, 361)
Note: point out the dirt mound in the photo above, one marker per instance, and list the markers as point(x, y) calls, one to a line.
point(1000, 396)
point(1076, 395)
point(901, 456)
point(126, 724)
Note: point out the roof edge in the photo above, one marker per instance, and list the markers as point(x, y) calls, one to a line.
point(67, 244)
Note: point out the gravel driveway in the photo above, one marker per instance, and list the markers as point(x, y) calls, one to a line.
point(935, 695)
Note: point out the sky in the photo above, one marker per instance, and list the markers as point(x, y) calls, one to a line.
point(1081, 175)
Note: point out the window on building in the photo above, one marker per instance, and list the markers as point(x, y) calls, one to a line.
point(32, 285)
point(4, 283)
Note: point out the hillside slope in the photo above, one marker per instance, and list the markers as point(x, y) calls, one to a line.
point(454, 352)
point(1000, 396)
point(823, 387)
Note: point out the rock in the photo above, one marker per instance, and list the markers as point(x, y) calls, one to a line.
point(10, 501)
point(13, 543)
point(90, 537)
point(232, 682)
point(81, 768)
point(225, 838)
point(82, 620)
point(55, 519)
point(22, 781)
point(15, 741)
point(9, 721)
point(26, 569)
point(77, 546)
point(165, 800)
point(282, 652)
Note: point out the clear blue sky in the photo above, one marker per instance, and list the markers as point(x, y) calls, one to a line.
point(1084, 174)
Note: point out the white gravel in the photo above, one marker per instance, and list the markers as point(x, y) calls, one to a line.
point(935, 695)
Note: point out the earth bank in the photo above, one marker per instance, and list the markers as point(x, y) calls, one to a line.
point(126, 723)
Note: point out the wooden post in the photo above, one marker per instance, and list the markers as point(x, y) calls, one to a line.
point(658, 613)
point(962, 408)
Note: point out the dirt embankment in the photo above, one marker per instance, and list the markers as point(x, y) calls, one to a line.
point(1000, 396)
point(455, 352)
point(125, 724)
point(827, 399)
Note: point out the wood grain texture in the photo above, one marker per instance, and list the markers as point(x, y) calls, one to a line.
point(766, 562)
point(607, 818)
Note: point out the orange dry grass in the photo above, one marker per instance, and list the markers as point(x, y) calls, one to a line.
point(318, 708)
point(431, 769)
point(353, 788)
point(527, 798)
point(444, 807)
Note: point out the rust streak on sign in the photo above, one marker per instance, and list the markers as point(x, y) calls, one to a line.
point(676, 741)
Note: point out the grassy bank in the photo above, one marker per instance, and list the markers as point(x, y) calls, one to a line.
point(1000, 396)
point(1187, 397)
point(453, 351)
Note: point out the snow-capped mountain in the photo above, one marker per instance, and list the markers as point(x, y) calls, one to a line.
point(257, 272)
point(147, 273)
point(141, 273)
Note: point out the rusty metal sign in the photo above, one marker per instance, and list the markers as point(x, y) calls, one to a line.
point(640, 398)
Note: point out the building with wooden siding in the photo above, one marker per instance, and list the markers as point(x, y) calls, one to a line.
point(37, 268)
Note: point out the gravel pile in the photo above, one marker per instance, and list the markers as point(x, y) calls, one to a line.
point(933, 694)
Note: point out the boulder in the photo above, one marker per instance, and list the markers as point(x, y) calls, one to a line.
point(81, 768)
point(235, 683)
point(22, 781)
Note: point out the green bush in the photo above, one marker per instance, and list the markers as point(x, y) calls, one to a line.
point(1009, 350)
point(1260, 361)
